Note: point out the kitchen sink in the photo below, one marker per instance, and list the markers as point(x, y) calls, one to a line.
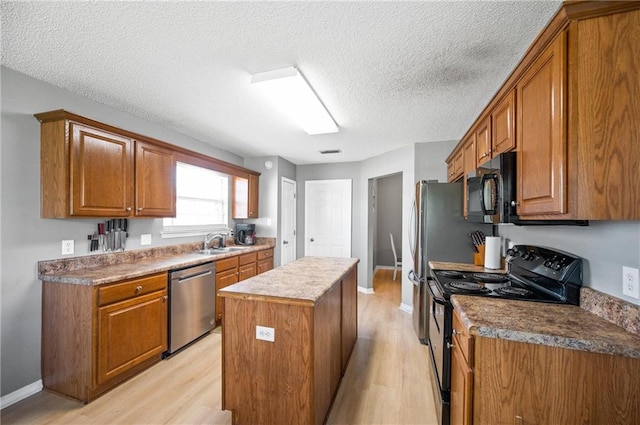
point(214, 251)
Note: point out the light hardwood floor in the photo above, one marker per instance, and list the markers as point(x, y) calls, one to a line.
point(386, 382)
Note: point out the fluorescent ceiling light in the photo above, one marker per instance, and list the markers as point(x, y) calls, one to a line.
point(288, 89)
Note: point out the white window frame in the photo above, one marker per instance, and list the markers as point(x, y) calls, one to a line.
point(180, 231)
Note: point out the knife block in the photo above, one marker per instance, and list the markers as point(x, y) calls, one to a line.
point(478, 257)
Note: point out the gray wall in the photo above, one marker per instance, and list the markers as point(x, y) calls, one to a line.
point(27, 238)
point(605, 245)
point(268, 223)
point(389, 219)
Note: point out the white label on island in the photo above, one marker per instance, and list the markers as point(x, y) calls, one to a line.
point(266, 334)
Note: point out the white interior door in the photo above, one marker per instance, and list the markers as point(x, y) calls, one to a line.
point(327, 217)
point(288, 225)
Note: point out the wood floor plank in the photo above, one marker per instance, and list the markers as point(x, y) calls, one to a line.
point(386, 381)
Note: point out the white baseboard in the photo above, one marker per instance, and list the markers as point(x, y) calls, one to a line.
point(406, 308)
point(364, 290)
point(20, 394)
point(383, 268)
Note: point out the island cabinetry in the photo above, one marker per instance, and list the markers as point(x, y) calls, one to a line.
point(245, 196)
point(95, 337)
point(265, 260)
point(292, 377)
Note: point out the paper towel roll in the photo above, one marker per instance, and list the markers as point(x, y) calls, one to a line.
point(492, 252)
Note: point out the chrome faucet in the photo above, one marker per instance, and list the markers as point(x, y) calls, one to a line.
point(210, 237)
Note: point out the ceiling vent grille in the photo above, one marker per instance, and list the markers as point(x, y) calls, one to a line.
point(330, 151)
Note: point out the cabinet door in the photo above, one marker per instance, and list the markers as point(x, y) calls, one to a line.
point(101, 172)
point(503, 137)
point(265, 265)
point(483, 141)
point(461, 388)
point(224, 279)
point(130, 332)
point(155, 181)
point(542, 155)
point(469, 158)
point(246, 271)
point(245, 196)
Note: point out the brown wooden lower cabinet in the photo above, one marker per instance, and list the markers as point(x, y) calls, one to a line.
point(238, 268)
point(96, 337)
point(508, 382)
point(292, 380)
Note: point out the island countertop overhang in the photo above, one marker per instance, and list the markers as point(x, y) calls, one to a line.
point(303, 281)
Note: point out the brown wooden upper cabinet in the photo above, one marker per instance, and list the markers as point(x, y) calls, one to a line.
point(483, 141)
point(542, 158)
point(573, 105)
point(245, 196)
point(88, 171)
point(469, 159)
point(455, 166)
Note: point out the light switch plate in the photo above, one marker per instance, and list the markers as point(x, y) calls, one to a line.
point(145, 239)
point(265, 334)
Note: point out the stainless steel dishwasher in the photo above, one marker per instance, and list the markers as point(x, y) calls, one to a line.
point(192, 305)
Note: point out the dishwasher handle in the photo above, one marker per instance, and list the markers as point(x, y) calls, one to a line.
point(193, 276)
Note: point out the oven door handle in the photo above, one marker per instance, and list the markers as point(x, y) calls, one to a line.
point(438, 298)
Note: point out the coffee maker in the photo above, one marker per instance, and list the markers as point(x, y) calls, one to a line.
point(245, 234)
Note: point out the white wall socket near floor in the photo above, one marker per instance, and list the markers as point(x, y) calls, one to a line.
point(265, 334)
point(67, 247)
point(630, 282)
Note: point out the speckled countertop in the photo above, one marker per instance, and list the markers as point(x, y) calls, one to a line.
point(556, 325)
point(304, 280)
point(112, 267)
point(462, 267)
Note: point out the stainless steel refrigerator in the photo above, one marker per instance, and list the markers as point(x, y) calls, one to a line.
point(438, 232)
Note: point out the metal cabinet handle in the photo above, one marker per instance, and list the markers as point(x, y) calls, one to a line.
point(515, 204)
point(166, 297)
point(138, 288)
point(140, 208)
point(454, 332)
point(449, 345)
point(128, 208)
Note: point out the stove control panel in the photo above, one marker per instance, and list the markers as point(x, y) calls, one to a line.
point(554, 264)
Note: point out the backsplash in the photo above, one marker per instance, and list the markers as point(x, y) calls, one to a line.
point(615, 310)
point(112, 258)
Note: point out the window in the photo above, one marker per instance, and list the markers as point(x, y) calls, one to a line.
point(202, 202)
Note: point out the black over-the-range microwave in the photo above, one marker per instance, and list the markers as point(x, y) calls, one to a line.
point(491, 194)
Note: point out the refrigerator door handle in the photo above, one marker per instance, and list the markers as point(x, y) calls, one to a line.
point(412, 228)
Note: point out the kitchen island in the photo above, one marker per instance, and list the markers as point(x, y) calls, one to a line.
point(287, 336)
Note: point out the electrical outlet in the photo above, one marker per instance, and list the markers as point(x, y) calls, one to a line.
point(630, 282)
point(145, 239)
point(265, 334)
point(67, 247)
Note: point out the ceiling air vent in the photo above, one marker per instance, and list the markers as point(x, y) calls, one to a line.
point(330, 151)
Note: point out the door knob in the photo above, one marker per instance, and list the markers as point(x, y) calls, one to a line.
point(285, 242)
point(311, 240)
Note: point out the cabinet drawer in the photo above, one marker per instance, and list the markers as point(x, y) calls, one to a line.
point(246, 271)
point(247, 258)
point(226, 264)
point(462, 338)
point(267, 253)
point(132, 288)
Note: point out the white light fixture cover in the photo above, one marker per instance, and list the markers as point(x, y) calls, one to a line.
point(288, 89)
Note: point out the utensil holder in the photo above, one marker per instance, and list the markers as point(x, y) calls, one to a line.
point(478, 257)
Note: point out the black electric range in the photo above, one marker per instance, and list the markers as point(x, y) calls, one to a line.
point(535, 274)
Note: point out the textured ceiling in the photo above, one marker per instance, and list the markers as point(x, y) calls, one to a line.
point(390, 73)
